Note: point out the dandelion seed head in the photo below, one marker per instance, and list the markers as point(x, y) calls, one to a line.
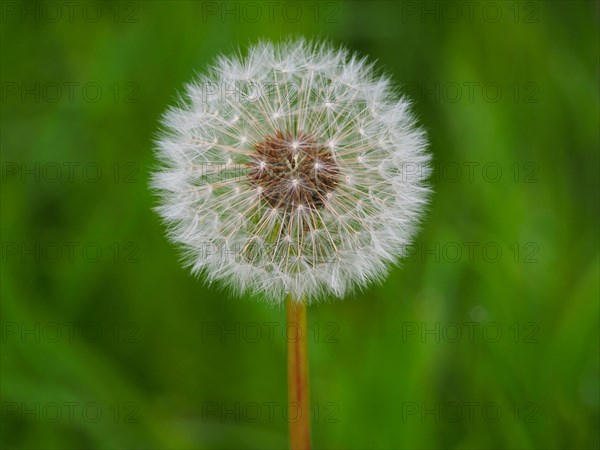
point(307, 179)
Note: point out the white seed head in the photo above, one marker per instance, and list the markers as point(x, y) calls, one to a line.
point(294, 170)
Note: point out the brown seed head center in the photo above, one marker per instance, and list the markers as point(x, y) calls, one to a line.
point(293, 171)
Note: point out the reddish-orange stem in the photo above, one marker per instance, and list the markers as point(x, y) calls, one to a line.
point(298, 388)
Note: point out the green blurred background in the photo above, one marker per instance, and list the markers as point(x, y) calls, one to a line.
point(486, 337)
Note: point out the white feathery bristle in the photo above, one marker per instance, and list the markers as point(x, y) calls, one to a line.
point(293, 171)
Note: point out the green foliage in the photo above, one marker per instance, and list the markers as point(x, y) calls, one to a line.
point(495, 312)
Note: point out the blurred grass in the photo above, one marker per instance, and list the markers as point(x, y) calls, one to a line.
point(155, 363)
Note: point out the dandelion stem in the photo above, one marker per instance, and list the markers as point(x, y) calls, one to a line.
point(298, 388)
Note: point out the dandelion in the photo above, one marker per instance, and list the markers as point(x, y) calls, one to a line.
point(295, 172)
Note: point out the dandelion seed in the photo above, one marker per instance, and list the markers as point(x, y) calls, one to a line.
point(328, 187)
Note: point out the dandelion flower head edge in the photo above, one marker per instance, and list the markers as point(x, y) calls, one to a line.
point(295, 170)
